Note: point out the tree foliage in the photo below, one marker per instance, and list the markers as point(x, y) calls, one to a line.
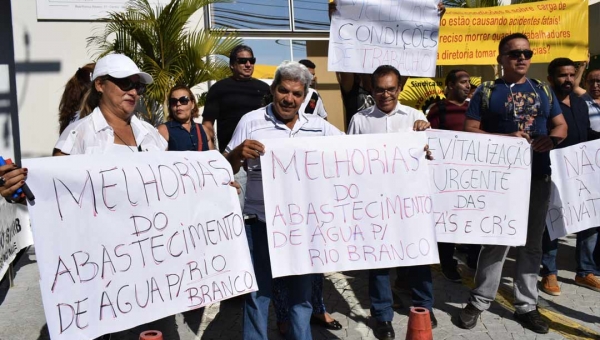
point(164, 42)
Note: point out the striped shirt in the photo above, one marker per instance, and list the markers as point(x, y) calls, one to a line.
point(594, 110)
point(262, 124)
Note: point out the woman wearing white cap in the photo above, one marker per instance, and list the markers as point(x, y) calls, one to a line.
point(112, 125)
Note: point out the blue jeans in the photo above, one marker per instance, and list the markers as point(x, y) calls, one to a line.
point(256, 304)
point(584, 253)
point(281, 294)
point(380, 290)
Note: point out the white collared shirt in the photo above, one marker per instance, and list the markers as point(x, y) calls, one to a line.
point(261, 124)
point(93, 135)
point(373, 120)
point(318, 103)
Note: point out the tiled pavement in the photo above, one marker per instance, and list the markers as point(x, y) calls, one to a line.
point(575, 314)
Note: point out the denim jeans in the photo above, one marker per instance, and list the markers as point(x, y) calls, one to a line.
point(281, 295)
point(491, 258)
point(380, 290)
point(584, 253)
point(256, 304)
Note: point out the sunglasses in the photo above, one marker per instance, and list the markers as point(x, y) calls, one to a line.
point(516, 54)
point(126, 85)
point(183, 100)
point(243, 61)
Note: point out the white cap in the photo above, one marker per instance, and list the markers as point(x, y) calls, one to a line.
point(119, 66)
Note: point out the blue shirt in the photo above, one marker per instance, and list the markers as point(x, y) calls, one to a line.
point(517, 107)
point(182, 140)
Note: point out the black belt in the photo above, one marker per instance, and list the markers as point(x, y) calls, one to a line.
point(250, 219)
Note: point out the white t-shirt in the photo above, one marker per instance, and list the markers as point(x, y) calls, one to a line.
point(319, 109)
point(93, 135)
point(373, 120)
point(261, 124)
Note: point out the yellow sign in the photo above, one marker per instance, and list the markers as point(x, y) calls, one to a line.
point(555, 28)
point(419, 93)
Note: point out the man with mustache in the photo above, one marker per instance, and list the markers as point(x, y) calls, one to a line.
point(537, 118)
point(449, 114)
point(561, 76)
point(280, 119)
point(388, 116)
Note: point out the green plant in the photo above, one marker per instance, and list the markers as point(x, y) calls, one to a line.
point(165, 43)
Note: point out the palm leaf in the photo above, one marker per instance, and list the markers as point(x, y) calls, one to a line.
point(163, 43)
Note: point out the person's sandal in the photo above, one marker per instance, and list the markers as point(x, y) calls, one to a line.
point(333, 325)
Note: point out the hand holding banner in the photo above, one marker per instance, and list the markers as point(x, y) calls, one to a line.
point(368, 33)
point(575, 198)
point(473, 178)
point(122, 241)
point(347, 203)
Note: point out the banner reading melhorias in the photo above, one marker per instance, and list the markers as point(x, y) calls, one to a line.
point(122, 241)
point(368, 33)
point(480, 187)
point(575, 198)
point(348, 203)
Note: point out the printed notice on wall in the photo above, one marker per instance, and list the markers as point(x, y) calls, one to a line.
point(480, 187)
point(575, 198)
point(122, 241)
point(347, 203)
point(365, 34)
point(82, 9)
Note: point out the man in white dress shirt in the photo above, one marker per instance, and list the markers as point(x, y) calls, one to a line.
point(388, 116)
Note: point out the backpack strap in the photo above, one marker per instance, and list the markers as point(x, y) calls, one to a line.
point(486, 94)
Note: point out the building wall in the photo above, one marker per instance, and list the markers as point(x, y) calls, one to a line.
point(47, 55)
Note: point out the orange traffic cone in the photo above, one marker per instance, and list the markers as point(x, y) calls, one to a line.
point(151, 335)
point(419, 324)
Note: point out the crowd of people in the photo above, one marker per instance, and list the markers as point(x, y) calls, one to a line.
point(97, 116)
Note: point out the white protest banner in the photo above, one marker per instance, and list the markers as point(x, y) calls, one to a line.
point(365, 34)
point(575, 199)
point(347, 203)
point(474, 179)
point(122, 240)
point(15, 233)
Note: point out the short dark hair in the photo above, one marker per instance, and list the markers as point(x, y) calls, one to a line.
point(191, 96)
point(451, 76)
point(236, 50)
point(559, 62)
point(508, 38)
point(307, 63)
point(384, 70)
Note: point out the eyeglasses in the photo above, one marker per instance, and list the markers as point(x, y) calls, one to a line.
point(183, 100)
point(243, 61)
point(126, 85)
point(380, 91)
point(516, 54)
point(593, 82)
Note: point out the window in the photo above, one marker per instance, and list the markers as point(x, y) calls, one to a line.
point(271, 15)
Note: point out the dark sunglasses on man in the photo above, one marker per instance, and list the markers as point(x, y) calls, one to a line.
point(183, 100)
point(126, 84)
point(243, 61)
point(516, 54)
